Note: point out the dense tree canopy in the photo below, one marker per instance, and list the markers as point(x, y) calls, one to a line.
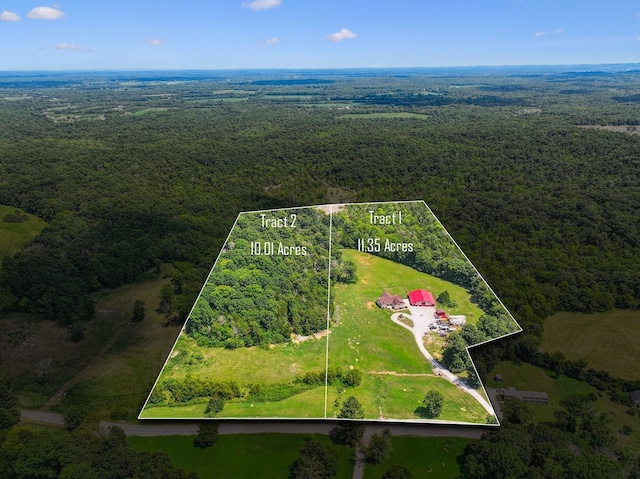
point(545, 208)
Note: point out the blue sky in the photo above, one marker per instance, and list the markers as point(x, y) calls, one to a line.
point(229, 34)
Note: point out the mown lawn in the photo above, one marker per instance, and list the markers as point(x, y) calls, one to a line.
point(308, 404)
point(250, 456)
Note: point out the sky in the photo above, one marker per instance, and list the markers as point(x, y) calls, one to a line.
point(257, 34)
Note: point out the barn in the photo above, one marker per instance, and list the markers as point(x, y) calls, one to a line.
point(421, 297)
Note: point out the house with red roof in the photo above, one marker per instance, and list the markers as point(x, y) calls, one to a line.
point(421, 297)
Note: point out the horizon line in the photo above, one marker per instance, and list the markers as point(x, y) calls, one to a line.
point(250, 69)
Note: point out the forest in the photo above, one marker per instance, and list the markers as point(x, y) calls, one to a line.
point(261, 297)
point(536, 176)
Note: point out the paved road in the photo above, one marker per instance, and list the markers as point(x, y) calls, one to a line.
point(421, 322)
point(493, 395)
point(152, 427)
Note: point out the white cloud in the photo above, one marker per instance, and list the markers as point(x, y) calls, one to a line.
point(559, 31)
point(638, 38)
point(540, 34)
point(343, 34)
point(271, 41)
point(70, 46)
point(45, 13)
point(156, 42)
point(9, 17)
point(261, 4)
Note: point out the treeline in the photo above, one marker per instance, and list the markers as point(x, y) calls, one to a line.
point(433, 252)
point(82, 453)
point(181, 391)
point(191, 388)
point(79, 451)
point(455, 356)
point(577, 444)
point(617, 389)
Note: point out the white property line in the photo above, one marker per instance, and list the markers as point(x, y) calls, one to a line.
point(326, 356)
point(338, 206)
point(187, 319)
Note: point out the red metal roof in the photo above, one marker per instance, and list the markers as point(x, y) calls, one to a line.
point(421, 296)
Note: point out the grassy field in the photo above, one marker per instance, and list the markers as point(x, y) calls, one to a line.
point(15, 236)
point(308, 404)
point(396, 375)
point(531, 378)
point(597, 338)
point(241, 456)
point(149, 110)
point(400, 279)
point(248, 365)
point(290, 97)
point(279, 364)
point(432, 457)
point(113, 367)
point(385, 115)
point(121, 377)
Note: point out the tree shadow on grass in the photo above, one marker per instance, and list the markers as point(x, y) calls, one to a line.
point(422, 413)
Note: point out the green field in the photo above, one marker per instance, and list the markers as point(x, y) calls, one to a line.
point(264, 456)
point(598, 338)
point(289, 97)
point(15, 236)
point(149, 110)
point(112, 368)
point(376, 275)
point(432, 457)
point(278, 364)
point(385, 115)
point(308, 404)
point(119, 380)
point(531, 378)
point(396, 375)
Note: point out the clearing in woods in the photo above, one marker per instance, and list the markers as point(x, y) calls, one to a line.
point(15, 236)
point(257, 335)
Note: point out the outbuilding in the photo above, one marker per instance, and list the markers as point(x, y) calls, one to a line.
point(421, 297)
point(389, 301)
point(528, 396)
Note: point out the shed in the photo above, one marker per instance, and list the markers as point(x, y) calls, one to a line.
point(528, 396)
